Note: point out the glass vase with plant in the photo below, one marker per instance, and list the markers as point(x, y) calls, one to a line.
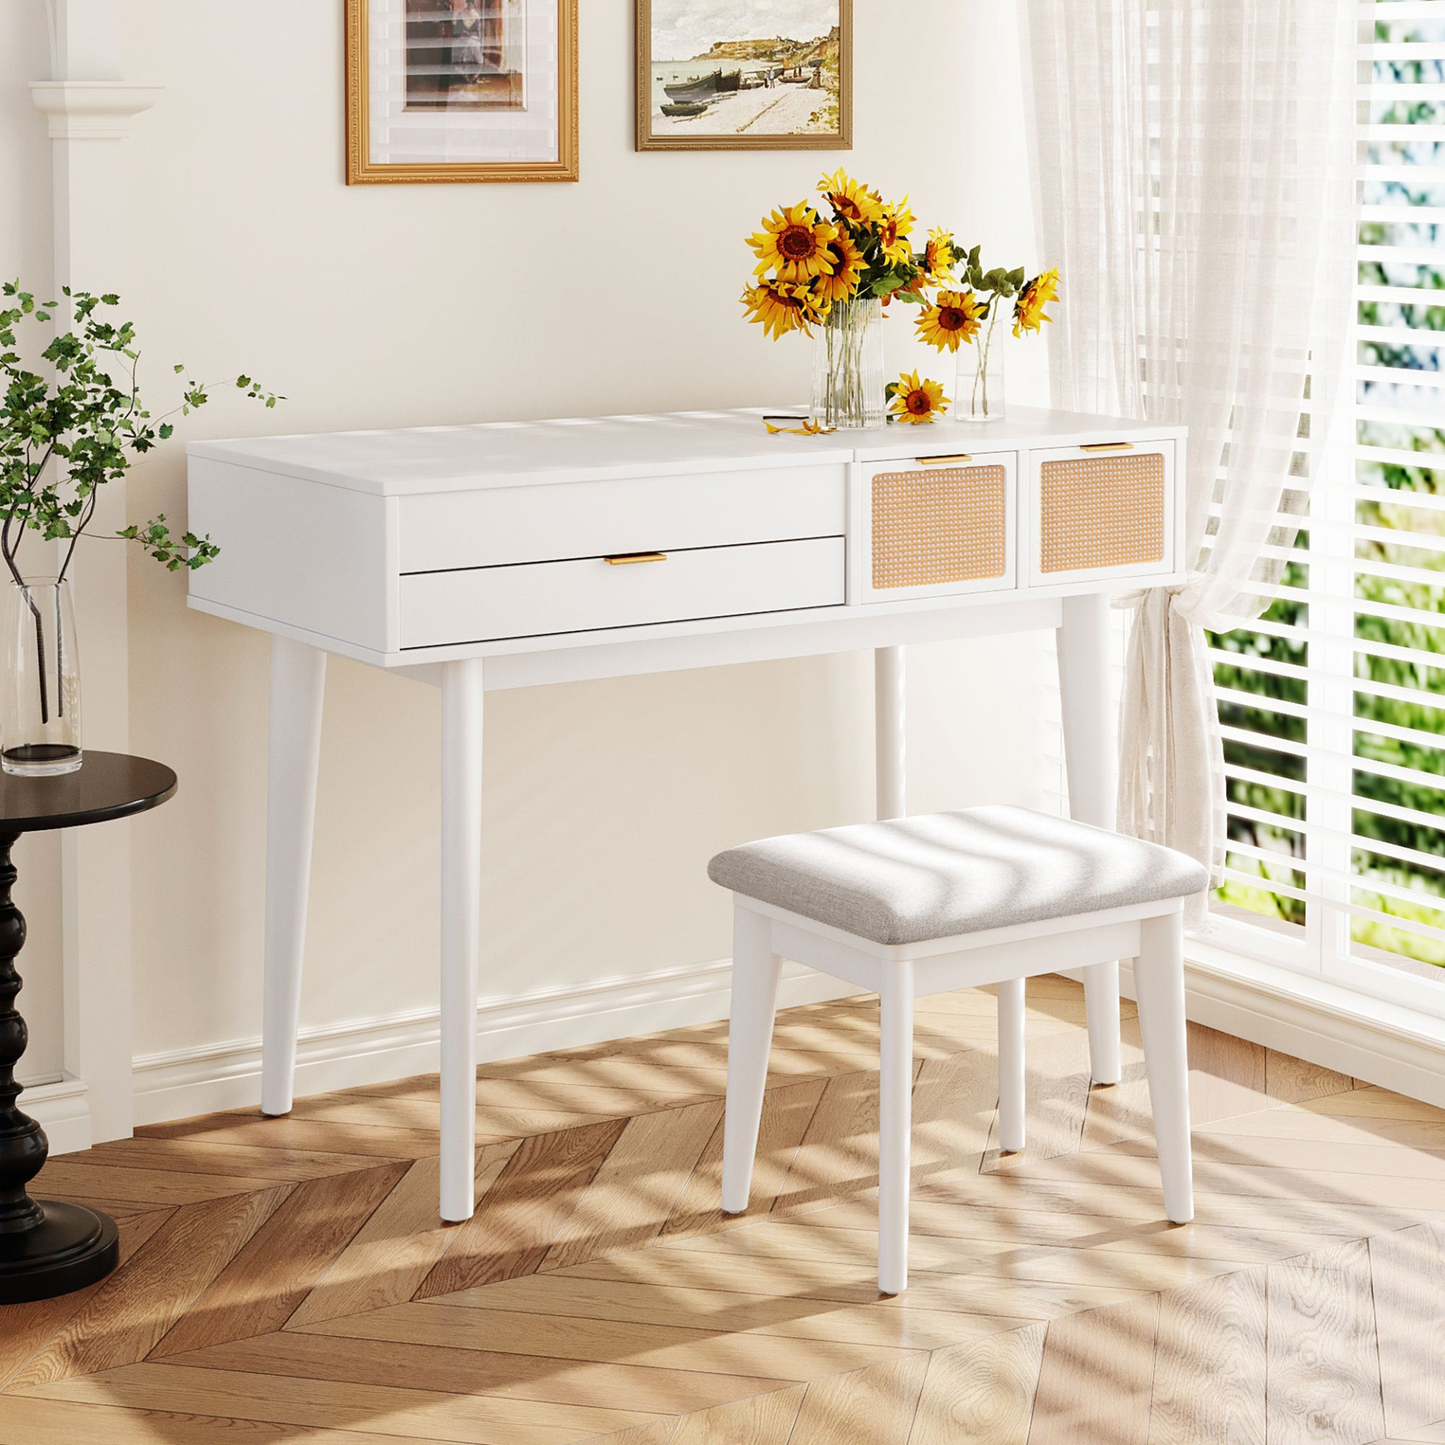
point(69, 425)
point(970, 314)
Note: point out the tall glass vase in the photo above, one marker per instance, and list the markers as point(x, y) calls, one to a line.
point(40, 710)
point(979, 394)
point(848, 366)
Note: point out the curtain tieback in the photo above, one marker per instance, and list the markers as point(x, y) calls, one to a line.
point(1131, 601)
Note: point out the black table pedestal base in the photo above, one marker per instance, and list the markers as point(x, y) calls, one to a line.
point(46, 1248)
point(70, 1248)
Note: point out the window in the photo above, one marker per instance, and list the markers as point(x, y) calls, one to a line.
point(1333, 704)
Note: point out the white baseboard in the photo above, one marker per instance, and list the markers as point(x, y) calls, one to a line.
point(370, 1051)
point(1381, 1043)
point(62, 1109)
point(1375, 1041)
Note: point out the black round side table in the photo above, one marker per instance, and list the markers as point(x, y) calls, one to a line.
point(48, 1248)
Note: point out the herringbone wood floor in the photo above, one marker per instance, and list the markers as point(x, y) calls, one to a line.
point(287, 1279)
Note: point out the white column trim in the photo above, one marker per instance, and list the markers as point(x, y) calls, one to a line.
point(91, 109)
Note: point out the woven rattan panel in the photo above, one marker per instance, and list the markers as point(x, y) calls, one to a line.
point(1101, 512)
point(937, 526)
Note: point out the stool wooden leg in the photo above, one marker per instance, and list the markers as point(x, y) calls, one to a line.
point(1011, 1065)
point(756, 970)
point(895, 1124)
point(1159, 988)
point(1101, 1003)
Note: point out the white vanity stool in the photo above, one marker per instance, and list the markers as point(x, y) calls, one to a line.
point(915, 906)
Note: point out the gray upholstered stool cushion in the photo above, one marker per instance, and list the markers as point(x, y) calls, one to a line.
point(914, 879)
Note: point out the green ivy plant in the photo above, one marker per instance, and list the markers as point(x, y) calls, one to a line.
point(67, 431)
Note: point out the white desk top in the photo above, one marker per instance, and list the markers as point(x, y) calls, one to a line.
point(578, 449)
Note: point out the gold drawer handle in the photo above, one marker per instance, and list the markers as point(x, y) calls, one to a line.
point(626, 559)
point(1107, 447)
point(943, 461)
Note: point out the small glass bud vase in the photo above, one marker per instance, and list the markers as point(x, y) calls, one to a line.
point(848, 366)
point(40, 711)
point(979, 396)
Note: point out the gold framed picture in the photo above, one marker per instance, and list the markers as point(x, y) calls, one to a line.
point(461, 90)
point(744, 75)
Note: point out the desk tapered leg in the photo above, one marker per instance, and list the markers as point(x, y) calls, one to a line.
point(1089, 757)
point(461, 899)
point(889, 734)
point(298, 682)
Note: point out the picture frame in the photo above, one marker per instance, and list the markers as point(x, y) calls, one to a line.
point(461, 91)
point(781, 93)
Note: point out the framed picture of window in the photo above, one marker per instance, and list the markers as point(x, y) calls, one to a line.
point(461, 90)
point(744, 75)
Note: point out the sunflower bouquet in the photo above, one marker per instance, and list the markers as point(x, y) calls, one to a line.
point(836, 267)
point(862, 251)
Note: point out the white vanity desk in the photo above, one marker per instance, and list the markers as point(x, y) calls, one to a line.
point(516, 554)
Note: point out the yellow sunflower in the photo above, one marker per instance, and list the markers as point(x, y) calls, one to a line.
point(782, 306)
point(848, 265)
point(1029, 308)
point(938, 259)
point(894, 227)
point(794, 242)
point(916, 401)
point(851, 199)
point(954, 317)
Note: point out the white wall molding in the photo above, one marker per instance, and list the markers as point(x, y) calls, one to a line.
point(1378, 1042)
point(1386, 1044)
point(222, 1076)
point(62, 1109)
point(90, 109)
point(1382, 1043)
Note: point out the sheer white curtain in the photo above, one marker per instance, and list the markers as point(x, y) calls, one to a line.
point(1194, 178)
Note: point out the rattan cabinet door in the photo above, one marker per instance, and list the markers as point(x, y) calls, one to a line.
point(935, 526)
point(1101, 511)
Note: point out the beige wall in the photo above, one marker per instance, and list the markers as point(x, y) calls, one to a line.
point(392, 306)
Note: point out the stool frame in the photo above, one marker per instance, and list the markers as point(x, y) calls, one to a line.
point(763, 936)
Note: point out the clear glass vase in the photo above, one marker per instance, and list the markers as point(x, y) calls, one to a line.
point(979, 395)
point(40, 712)
point(848, 366)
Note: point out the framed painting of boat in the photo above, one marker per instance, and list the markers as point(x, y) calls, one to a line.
point(461, 90)
point(744, 75)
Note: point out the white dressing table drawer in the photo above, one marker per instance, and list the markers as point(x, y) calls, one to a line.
point(484, 604)
point(1102, 509)
point(493, 526)
point(937, 527)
